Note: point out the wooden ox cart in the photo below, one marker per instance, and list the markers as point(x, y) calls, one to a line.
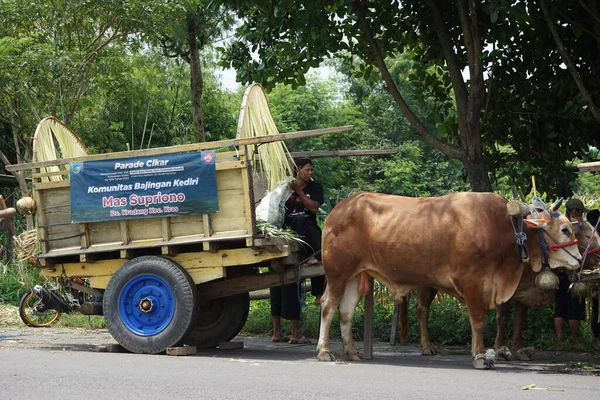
point(164, 278)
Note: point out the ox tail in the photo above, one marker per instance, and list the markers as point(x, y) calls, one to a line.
point(363, 283)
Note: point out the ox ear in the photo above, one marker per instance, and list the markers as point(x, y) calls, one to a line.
point(541, 222)
point(556, 205)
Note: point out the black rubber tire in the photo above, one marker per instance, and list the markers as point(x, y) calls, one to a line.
point(185, 297)
point(27, 313)
point(219, 320)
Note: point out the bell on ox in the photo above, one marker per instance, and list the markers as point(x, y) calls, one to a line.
point(579, 290)
point(546, 280)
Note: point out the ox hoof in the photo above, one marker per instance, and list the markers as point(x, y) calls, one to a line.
point(504, 353)
point(485, 361)
point(429, 351)
point(354, 357)
point(525, 354)
point(325, 356)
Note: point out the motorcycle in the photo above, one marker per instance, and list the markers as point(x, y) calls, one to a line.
point(43, 304)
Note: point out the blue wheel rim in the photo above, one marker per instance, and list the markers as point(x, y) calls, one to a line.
point(146, 305)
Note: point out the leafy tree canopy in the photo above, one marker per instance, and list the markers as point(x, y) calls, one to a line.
point(506, 102)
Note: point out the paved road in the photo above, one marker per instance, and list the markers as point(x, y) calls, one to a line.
point(53, 363)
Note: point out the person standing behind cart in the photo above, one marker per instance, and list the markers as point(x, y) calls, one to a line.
point(301, 216)
point(566, 306)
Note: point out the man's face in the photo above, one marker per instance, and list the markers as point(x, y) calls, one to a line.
point(577, 214)
point(305, 172)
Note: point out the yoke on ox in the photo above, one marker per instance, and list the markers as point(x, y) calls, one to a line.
point(463, 244)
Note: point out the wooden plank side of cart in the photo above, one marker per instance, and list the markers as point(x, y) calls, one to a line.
point(589, 167)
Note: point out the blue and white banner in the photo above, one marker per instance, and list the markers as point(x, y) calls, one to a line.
point(166, 185)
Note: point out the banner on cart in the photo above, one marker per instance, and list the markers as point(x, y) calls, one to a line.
point(166, 185)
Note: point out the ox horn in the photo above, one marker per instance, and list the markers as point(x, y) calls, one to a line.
point(556, 205)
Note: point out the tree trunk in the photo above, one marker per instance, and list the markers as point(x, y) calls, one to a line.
point(195, 78)
point(477, 175)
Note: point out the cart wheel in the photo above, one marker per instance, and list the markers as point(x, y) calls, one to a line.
point(219, 320)
point(150, 304)
point(34, 313)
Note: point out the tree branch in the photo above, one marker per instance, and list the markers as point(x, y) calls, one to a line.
point(98, 37)
point(3, 158)
point(447, 149)
point(593, 11)
point(460, 90)
point(567, 60)
point(19, 175)
point(463, 16)
point(108, 41)
point(571, 21)
point(89, 63)
point(80, 90)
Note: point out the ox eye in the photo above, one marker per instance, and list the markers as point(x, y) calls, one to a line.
point(566, 231)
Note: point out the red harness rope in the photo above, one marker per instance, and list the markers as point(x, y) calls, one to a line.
point(557, 246)
point(594, 250)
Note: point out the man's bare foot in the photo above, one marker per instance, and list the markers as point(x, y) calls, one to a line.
point(318, 300)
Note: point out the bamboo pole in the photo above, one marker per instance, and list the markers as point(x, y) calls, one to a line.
point(342, 153)
point(186, 147)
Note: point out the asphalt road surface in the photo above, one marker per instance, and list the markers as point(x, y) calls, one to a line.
point(52, 363)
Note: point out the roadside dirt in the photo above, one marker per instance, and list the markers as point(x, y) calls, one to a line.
point(9, 315)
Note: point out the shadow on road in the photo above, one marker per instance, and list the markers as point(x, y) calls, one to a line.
point(263, 349)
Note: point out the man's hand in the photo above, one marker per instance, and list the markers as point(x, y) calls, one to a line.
point(295, 185)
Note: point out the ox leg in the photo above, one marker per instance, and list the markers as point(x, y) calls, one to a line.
point(425, 296)
point(330, 302)
point(481, 358)
point(402, 302)
point(502, 315)
point(520, 317)
point(347, 308)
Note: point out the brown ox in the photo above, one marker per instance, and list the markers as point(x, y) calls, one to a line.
point(462, 244)
point(526, 296)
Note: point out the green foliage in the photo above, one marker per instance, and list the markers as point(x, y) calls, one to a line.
point(259, 320)
point(416, 170)
point(80, 321)
point(530, 104)
point(93, 65)
point(13, 286)
point(148, 106)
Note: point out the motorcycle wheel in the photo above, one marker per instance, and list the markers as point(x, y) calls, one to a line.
point(33, 312)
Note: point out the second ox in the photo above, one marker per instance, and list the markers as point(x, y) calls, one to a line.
point(526, 296)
